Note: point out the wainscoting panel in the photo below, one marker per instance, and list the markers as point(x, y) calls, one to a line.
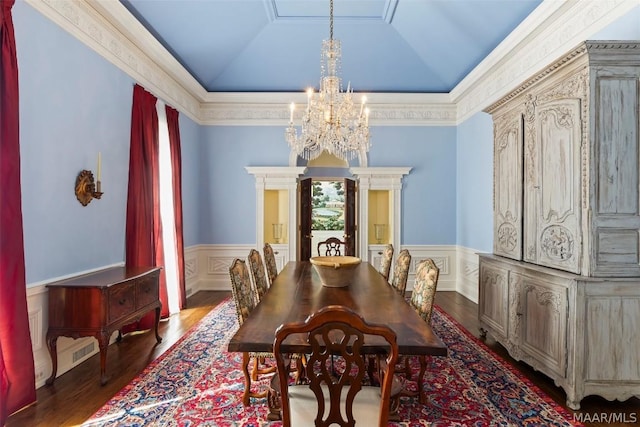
point(208, 266)
point(467, 275)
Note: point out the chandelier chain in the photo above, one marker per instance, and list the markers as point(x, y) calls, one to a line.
point(331, 21)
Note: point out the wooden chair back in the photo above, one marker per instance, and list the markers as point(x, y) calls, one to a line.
point(332, 247)
point(258, 274)
point(336, 331)
point(270, 263)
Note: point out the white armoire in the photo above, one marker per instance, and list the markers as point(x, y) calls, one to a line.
point(562, 289)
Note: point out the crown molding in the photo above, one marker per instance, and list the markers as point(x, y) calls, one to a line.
point(110, 30)
point(271, 109)
point(552, 29)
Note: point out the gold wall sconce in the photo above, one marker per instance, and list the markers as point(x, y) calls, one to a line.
point(86, 188)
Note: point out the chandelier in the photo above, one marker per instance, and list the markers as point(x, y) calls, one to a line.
point(331, 120)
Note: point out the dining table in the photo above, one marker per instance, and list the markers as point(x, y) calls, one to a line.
point(297, 292)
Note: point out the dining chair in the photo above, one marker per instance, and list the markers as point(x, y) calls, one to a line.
point(422, 300)
point(385, 261)
point(245, 301)
point(338, 395)
point(332, 247)
point(401, 272)
point(270, 262)
point(258, 274)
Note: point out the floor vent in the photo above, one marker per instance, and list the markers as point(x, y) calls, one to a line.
point(87, 349)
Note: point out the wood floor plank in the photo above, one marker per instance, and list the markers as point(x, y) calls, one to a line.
point(77, 394)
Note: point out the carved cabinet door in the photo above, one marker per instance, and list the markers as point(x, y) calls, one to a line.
point(553, 184)
point(507, 218)
point(493, 299)
point(540, 323)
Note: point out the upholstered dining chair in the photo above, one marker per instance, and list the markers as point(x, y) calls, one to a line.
point(245, 301)
point(258, 274)
point(270, 263)
point(332, 247)
point(401, 272)
point(422, 300)
point(385, 261)
point(335, 395)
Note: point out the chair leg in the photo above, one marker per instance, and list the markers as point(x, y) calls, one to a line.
point(407, 368)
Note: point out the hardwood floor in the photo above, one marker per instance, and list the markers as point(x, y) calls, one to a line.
point(77, 394)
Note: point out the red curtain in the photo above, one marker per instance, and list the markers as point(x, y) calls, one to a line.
point(143, 240)
point(176, 167)
point(17, 373)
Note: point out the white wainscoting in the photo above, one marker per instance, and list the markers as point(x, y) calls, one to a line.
point(207, 269)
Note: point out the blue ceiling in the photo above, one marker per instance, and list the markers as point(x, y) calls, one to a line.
point(274, 45)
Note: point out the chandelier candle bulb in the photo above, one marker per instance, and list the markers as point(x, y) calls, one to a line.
point(291, 108)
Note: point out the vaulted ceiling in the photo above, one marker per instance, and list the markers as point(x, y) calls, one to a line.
point(274, 45)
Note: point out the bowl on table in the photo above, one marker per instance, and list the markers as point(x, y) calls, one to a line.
point(335, 271)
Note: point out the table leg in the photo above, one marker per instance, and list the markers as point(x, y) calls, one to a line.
point(52, 340)
point(247, 378)
point(423, 368)
point(103, 344)
point(158, 309)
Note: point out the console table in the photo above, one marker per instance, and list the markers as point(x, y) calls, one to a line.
point(97, 304)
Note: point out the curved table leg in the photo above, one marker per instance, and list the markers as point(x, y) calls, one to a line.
point(53, 352)
point(158, 337)
point(247, 378)
point(103, 344)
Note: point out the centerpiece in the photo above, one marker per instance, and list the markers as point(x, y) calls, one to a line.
point(335, 271)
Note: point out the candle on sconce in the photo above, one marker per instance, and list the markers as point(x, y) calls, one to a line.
point(99, 165)
point(291, 108)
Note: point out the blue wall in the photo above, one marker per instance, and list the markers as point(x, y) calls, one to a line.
point(429, 191)
point(474, 198)
point(73, 104)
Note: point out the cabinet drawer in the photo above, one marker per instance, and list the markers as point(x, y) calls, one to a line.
point(146, 291)
point(121, 300)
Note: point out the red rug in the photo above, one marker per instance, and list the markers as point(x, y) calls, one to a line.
point(198, 383)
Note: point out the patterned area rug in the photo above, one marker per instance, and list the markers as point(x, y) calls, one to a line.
point(198, 383)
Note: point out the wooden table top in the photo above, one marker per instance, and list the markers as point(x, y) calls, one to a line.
point(298, 292)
